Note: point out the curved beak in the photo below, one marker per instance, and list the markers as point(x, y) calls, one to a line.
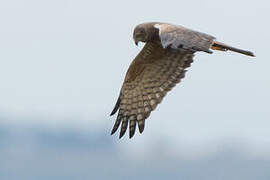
point(136, 42)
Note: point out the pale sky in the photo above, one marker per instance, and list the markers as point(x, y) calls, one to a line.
point(63, 63)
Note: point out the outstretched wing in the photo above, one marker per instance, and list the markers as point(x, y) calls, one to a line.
point(178, 37)
point(150, 76)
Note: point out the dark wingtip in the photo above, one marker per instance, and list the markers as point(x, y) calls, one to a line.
point(132, 129)
point(141, 126)
point(116, 106)
point(116, 124)
point(248, 53)
point(113, 131)
point(112, 113)
point(131, 135)
point(251, 54)
point(224, 47)
point(123, 127)
point(121, 134)
point(141, 129)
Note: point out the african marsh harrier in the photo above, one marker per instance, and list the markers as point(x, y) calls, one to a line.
point(160, 65)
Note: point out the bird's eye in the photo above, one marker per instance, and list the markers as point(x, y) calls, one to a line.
point(141, 31)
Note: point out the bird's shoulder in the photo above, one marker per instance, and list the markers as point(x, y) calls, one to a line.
point(151, 53)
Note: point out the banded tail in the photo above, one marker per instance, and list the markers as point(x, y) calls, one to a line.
point(223, 47)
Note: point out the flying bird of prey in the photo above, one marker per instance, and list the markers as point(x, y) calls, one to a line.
point(161, 64)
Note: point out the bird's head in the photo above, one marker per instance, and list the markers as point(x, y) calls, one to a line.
point(140, 34)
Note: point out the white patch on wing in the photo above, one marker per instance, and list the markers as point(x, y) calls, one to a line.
point(158, 26)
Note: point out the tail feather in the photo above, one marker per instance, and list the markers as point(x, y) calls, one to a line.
point(223, 47)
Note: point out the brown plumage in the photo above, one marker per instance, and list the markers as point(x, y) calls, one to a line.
point(159, 66)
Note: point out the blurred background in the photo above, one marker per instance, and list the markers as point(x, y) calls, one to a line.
point(62, 64)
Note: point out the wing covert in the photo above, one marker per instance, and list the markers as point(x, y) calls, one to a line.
point(177, 37)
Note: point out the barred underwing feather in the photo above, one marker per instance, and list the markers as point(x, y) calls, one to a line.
point(141, 125)
point(123, 126)
point(117, 123)
point(153, 73)
point(132, 126)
